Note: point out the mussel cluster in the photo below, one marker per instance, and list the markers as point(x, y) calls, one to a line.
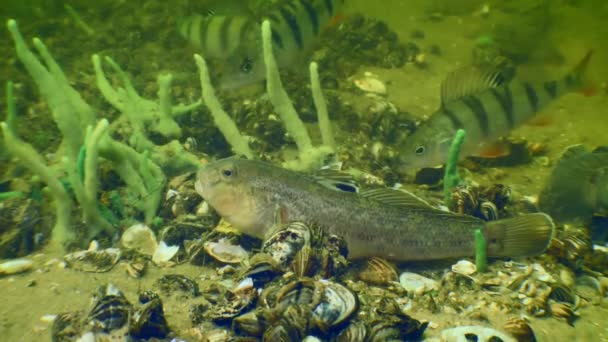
point(288, 292)
point(112, 318)
point(487, 203)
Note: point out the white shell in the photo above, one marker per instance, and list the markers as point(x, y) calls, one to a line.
point(16, 266)
point(170, 194)
point(49, 318)
point(370, 84)
point(464, 267)
point(88, 337)
point(483, 334)
point(416, 283)
point(226, 252)
point(163, 254)
point(140, 238)
point(542, 274)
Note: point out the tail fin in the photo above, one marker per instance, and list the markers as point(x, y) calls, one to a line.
point(577, 78)
point(524, 235)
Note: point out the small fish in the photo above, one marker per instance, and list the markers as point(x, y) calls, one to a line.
point(256, 197)
point(578, 185)
point(484, 106)
point(236, 39)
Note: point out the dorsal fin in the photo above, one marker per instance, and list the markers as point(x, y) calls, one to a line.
point(336, 180)
point(400, 198)
point(469, 81)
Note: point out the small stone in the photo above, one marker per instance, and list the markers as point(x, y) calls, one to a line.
point(464, 267)
point(370, 84)
point(416, 283)
point(48, 318)
point(16, 266)
point(420, 59)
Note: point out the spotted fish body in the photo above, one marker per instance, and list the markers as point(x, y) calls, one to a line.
point(485, 114)
point(255, 196)
point(236, 39)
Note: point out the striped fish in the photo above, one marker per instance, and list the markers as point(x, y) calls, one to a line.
point(236, 39)
point(486, 108)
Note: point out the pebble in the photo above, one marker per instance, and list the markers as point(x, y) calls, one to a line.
point(464, 267)
point(16, 266)
point(370, 83)
point(48, 318)
point(416, 283)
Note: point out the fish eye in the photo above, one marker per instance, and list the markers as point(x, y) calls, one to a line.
point(247, 65)
point(419, 150)
point(227, 172)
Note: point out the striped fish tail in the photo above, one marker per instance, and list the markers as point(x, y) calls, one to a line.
point(524, 235)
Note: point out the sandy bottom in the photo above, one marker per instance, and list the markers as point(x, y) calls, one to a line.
point(51, 289)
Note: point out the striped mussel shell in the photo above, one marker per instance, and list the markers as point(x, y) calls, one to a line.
point(354, 332)
point(248, 323)
point(331, 303)
point(378, 271)
point(488, 211)
point(302, 264)
point(93, 260)
point(396, 327)
point(262, 269)
point(520, 329)
point(563, 311)
point(577, 244)
point(498, 194)
point(149, 320)
point(384, 331)
point(110, 310)
point(564, 294)
point(67, 326)
point(281, 333)
point(235, 302)
point(465, 200)
point(285, 244)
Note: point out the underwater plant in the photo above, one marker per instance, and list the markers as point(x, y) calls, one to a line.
point(309, 157)
point(143, 165)
point(86, 141)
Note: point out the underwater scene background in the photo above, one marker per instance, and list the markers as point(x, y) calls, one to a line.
point(118, 224)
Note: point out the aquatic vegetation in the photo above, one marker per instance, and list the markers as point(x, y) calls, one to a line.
point(309, 157)
point(144, 172)
point(451, 179)
point(80, 150)
point(481, 247)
